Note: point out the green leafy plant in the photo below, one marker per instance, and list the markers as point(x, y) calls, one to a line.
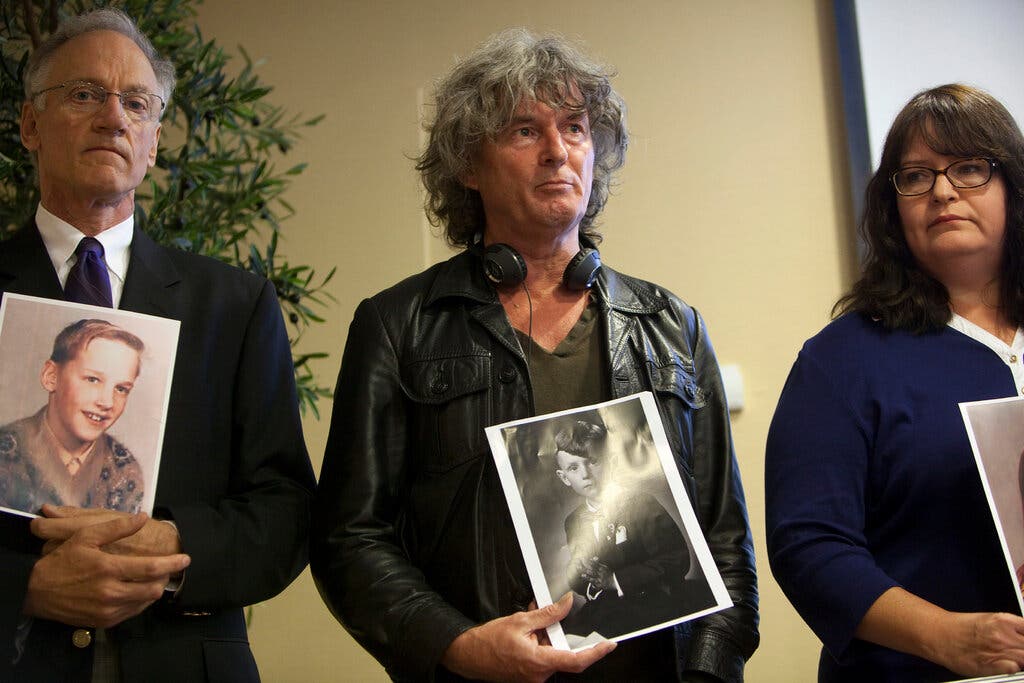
point(221, 172)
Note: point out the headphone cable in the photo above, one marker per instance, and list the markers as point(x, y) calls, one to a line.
point(529, 328)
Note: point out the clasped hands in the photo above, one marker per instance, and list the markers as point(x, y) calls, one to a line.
point(100, 567)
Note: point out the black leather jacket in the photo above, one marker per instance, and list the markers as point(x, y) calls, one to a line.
point(413, 541)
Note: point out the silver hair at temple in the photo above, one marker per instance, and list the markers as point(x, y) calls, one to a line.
point(105, 19)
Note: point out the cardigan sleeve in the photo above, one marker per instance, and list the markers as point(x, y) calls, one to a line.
point(816, 473)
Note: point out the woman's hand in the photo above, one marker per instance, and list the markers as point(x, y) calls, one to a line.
point(969, 643)
point(983, 644)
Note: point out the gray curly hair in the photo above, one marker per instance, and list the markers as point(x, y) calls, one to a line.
point(106, 19)
point(478, 98)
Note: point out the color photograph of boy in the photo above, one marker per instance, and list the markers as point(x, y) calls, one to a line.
point(63, 453)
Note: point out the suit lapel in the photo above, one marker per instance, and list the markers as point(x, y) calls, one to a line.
point(25, 267)
point(152, 282)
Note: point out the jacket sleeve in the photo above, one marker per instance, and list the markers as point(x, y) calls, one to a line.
point(250, 539)
point(364, 575)
point(721, 643)
point(15, 569)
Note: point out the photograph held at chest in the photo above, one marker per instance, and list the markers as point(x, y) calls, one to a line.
point(414, 549)
point(62, 454)
point(111, 595)
point(878, 527)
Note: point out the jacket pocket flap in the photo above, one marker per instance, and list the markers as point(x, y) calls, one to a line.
point(436, 381)
point(679, 381)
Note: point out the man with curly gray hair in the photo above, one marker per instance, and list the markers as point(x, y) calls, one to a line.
point(413, 548)
point(479, 100)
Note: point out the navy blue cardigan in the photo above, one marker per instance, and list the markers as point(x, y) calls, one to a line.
point(871, 483)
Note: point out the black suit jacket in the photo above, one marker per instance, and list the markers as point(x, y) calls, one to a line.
point(234, 473)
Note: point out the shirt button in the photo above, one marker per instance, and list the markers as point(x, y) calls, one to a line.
point(81, 638)
point(1013, 358)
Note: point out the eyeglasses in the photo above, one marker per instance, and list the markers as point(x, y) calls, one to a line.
point(963, 174)
point(87, 98)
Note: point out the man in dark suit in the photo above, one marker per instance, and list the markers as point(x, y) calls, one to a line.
point(112, 596)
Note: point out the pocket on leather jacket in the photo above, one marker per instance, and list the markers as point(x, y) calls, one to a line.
point(679, 397)
point(452, 409)
point(677, 379)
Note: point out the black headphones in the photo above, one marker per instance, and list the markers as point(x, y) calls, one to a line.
point(505, 267)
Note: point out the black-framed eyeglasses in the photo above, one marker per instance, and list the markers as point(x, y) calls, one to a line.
point(87, 98)
point(966, 173)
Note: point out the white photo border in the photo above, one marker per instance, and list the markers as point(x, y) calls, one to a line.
point(682, 501)
point(966, 410)
point(161, 339)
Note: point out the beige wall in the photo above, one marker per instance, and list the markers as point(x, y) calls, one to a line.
point(733, 196)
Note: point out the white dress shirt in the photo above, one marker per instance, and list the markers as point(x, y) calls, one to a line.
point(62, 238)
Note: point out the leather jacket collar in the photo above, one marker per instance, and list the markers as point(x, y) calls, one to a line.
point(463, 276)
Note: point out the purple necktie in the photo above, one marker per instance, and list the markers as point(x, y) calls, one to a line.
point(88, 281)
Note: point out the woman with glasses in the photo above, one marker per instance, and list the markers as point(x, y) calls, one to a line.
point(877, 523)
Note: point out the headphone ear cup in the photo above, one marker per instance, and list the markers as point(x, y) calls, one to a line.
point(503, 265)
point(582, 269)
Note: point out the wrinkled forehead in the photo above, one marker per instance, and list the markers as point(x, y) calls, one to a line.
point(560, 96)
point(529, 111)
point(106, 57)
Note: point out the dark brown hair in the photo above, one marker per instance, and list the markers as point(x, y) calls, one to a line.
point(953, 120)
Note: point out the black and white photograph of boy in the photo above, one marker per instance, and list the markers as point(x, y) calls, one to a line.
point(628, 559)
point(600, 519)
